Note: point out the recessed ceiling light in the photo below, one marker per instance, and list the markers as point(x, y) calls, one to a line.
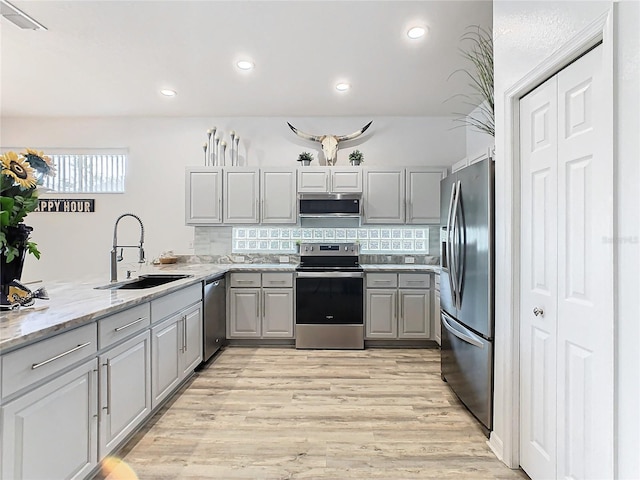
point(168, 92)
point(245, 65)
point(342, 86)
point(416, 32)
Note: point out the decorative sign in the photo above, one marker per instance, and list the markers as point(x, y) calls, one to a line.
point(66, 205)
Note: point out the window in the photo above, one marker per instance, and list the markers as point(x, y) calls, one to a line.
point(87, 173)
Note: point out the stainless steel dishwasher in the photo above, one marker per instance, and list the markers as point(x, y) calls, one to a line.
point(215, 309)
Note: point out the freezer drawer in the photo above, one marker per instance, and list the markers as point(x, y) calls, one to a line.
point(467, 366)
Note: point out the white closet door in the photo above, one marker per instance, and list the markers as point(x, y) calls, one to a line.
point(539, 260)
point(585, 273)
point(566, 339)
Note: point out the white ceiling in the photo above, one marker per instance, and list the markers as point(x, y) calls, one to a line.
point(110, 58)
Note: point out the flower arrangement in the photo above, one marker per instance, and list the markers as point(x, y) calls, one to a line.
point(21, 175)
point(305, 158)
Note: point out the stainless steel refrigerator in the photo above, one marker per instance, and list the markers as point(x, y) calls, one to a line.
point(466, 286)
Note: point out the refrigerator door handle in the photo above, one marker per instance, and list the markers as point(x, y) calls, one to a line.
point(460, 335)
point(454, 247)
point(449, 245)
point(461, 240)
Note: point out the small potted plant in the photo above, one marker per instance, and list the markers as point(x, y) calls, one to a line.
point(356, 157)
point(305, 158)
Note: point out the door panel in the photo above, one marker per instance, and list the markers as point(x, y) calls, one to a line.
point(585, 296)
point(538, 140)
point(567, 358)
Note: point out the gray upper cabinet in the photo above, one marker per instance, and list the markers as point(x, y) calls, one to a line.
point(278, 195)
point(384, 193)
point(241, 195)
point(329, 180)
point(423, 194)
point(314, 179)
point(203, 195)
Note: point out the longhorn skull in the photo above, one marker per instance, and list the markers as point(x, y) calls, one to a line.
point(329, 142)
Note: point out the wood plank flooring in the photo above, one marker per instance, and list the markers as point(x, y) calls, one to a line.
point(279, 413)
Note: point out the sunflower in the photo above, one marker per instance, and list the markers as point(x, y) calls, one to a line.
point(19, 169)
point(39, 161)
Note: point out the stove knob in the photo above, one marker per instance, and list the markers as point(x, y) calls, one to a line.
point(346, 248)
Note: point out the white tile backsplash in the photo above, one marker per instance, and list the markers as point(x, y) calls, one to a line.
point(374, 240)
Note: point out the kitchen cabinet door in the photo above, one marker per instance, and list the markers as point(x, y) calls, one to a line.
point(346, 180)
point(381, 318)
point(277, 312)
point(415, 313)
point(241, 195)
point(166, 343)
point(383, 196)
point(423, 195)
point(191, 333)
point(314, 179)
point(278, 196)
point(52, 431)
point(125, 390)
point(244, 313)
point(203, 196)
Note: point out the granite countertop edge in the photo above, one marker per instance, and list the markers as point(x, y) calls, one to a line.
point(76, 303)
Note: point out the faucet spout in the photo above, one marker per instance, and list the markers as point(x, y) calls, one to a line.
point(114, 251)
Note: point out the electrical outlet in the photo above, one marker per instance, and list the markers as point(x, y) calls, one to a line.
point(409, 260)
point(238, 259)
point(284, 258)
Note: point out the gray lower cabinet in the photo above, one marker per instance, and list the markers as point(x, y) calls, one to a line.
point(382, 316)
point(125, 390)
point(52, 431)
point(260, 305)
point(398, 306)
point(176, 349)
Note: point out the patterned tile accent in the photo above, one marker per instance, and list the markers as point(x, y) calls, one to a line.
point(375, 240)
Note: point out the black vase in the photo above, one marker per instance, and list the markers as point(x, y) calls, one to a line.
point(16, 236)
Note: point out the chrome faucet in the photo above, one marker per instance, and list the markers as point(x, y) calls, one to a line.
point(115, 258)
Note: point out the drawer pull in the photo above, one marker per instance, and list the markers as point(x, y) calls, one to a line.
point(382, 281)
point(277, 281)
point(419, 282)
point(244, 281)
point(38, 365)
point(119, 329)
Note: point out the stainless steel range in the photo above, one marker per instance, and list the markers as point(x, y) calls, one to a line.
point(329, 297)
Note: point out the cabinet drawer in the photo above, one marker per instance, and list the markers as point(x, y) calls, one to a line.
point(277, 280)
point(414, 280)
point(245, 279)
point(176, 301)
point(123, 324)
point(382, 280)
point(41, 360)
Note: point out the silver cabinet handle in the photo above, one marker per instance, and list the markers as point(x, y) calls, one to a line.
point(184, 333)
point(382, 281)
point(538, 311)
point(402, 306)
point(244, 281)
point(277, 281)
point(74, 349)
point(108, 407)
point(419, 282)
point(119, 329)
point(220, 208)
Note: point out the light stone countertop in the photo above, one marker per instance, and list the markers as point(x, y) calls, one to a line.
point(75, 303)
point(401, 268)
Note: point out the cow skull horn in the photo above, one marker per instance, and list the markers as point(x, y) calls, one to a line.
point(306, 136)
point(351, 136)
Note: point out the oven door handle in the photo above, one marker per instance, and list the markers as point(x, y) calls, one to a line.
point(330, 274)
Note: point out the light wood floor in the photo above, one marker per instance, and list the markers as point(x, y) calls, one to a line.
point(277, 413)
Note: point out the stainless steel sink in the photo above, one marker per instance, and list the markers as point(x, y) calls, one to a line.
point(144, 281)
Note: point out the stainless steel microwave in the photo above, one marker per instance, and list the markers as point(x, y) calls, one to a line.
point(329, 204)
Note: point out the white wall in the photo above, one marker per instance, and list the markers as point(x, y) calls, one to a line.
point(526, 33)
point(78, 245)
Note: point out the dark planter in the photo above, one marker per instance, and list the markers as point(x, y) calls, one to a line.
point(10, 271)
